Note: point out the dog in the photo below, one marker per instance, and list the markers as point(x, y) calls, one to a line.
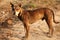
point(31, 16)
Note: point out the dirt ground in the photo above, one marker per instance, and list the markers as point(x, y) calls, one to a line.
point(37, 30)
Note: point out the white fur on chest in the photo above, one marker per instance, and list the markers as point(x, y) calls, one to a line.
point(16, 13)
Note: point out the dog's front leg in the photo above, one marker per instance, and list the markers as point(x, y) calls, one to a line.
point(26, 27)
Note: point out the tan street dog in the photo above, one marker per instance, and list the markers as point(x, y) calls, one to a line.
point(31, 16)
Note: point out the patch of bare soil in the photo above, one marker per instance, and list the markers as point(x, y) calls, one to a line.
point(14, 30)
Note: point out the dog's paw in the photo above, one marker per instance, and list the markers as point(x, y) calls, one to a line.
point(49, 35)
point(24, 38)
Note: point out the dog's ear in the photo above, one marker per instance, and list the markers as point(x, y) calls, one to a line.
point(13, 8)
point(19, 4)
point(12, 5)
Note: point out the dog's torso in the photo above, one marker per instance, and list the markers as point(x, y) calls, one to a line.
point(34, 15)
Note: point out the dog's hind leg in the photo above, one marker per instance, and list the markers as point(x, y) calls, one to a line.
point(49, 23)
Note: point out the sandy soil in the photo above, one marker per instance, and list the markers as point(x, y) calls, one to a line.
point(16, 30)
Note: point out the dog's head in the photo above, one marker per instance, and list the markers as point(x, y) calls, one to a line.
point(17, 9)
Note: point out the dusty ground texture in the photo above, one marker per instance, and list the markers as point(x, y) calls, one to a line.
point(37, 30)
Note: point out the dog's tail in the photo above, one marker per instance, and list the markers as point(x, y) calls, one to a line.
point(54, 18)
